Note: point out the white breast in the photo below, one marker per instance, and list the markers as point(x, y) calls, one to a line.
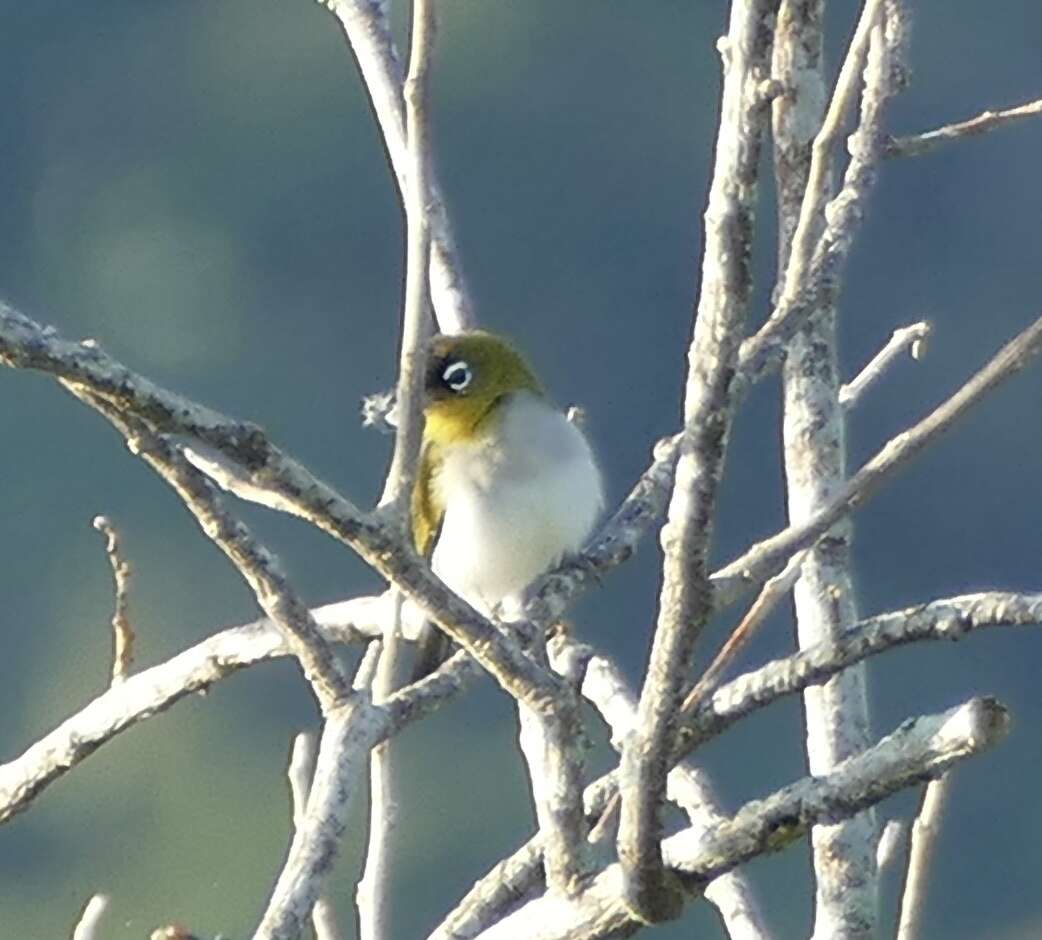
point(516, 503)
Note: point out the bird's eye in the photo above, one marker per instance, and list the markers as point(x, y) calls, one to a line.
point(457, 375)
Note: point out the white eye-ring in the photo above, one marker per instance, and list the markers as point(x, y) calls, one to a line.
point(457, 376)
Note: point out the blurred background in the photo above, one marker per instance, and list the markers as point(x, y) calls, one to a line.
point(200, 187)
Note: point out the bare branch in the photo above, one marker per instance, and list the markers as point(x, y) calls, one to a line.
point(154, 690)
point(889, 843)
point(415, 321)
point(687, 786)
point(257, 566)
point(89, 924)
point(916, 144)
point(923, 842)
point(946, 619)
point(773, 591)
point(501, 890)
point(367, 28)
point(801, 23)
point(685, 601)
point(553, 747)
point(25, 344)
point(299, 773)
point(373, 893)
point(814, 433)
point(912, 338)
point(917, 750)
point(810, 281)
point(122, 631)
point(350, 731)
point(769, 556)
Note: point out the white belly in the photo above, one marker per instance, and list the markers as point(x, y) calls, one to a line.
point(514, 508)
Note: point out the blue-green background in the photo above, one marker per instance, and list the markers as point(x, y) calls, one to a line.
point(199, 186)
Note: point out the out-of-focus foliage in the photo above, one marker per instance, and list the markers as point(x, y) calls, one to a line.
point(199, 186)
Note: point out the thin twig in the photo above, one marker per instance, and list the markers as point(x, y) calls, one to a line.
point(122, 631)
point(912, 338)
point(922, 843)
point(89, 923)
point(367, 28)
point(819, 172)
point(889, 845)
point(613, 543)
point(767, 557)
point(772, 592)
point(685, 600)
point(915, 144)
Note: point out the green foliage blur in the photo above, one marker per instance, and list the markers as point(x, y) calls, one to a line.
point(199, 186)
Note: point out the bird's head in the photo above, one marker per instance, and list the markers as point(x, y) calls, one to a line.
point(467, 375)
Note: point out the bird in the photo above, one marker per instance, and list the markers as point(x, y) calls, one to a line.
point(506, 485)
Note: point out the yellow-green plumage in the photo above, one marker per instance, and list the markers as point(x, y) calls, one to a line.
point(454, 417)
point(427, 510)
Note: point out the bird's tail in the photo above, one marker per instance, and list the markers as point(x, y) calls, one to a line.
point(432, 649)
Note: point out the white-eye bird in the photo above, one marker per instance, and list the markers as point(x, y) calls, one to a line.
point(506, 485)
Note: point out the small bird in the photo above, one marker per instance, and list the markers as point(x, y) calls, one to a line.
point(506, 484)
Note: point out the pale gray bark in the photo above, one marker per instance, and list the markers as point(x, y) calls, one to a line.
point(88, 927)
point(923, 840)
point(916, 144)
point(685, 600)
point(836, 713)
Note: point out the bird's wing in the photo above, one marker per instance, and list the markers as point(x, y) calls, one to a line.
point(428, 513)
point(427, 510)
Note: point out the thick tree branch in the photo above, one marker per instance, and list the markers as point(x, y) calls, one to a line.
point(814, 431)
